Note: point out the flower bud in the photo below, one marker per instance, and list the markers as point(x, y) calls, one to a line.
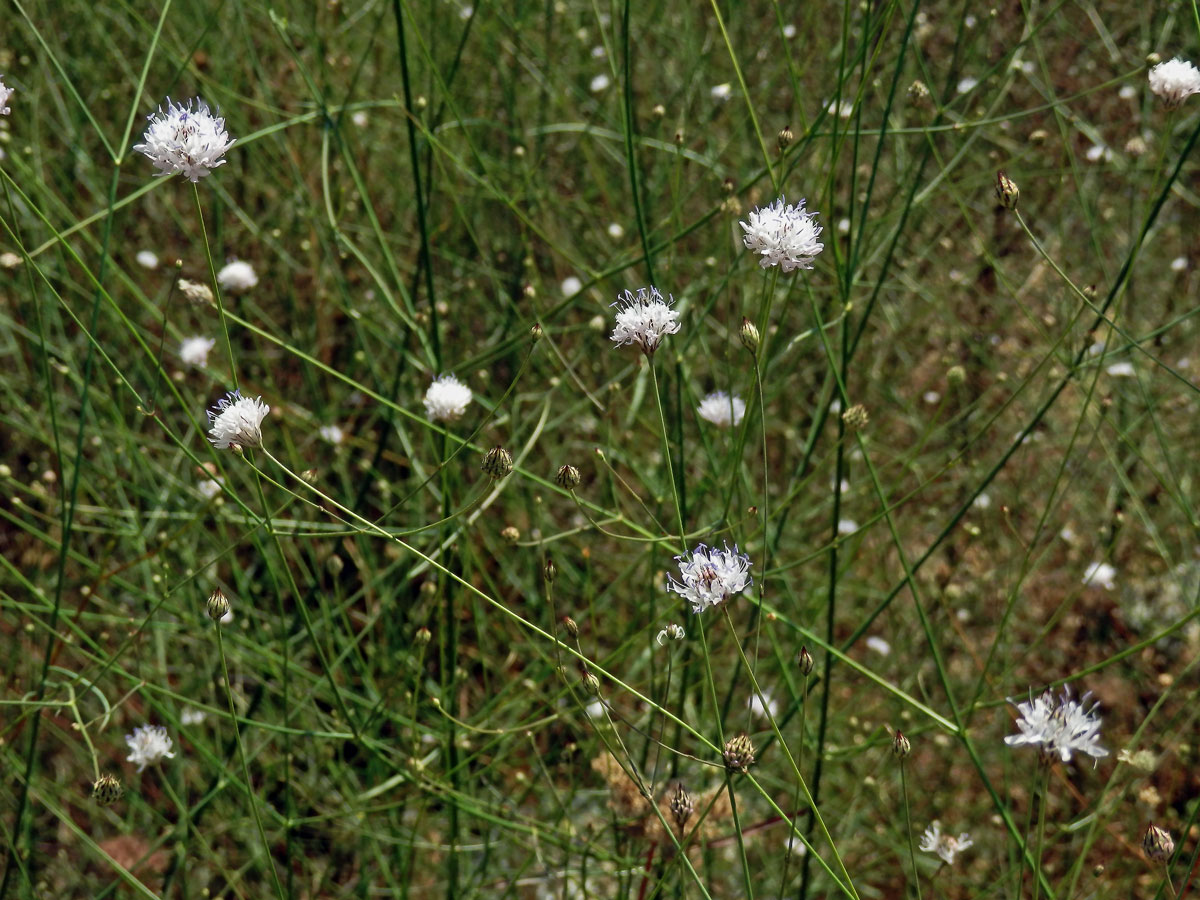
point(956, 375)
point(1006, 191)
point(749, 335)
point(591, 683)
point(510, 533)
point(682, 806)
point(567, 477)
point(423, 635)
point(536, 331)
point(739, 754)
point(786, 136)
point(218, 606)
point(856, 416)
point(107, 790)
point(901, 746)
point(806, 662)
point(497, 463)
point(918, 92)
point(572, 627)
point(550, 571)
point(1158, 844)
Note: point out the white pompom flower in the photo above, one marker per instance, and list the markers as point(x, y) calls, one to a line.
point(644, 319)
point(722, 409)
point(237, 421)
point(447, 399)
point(783, 235)
point(1175, 81)
point(1060, 726)
point(149, 745)
point(186, 138)
point(194, 350)
point(5, 93)
point(237, 276)
point(708, 576)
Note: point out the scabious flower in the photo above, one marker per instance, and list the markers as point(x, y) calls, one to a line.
point(5, 93)
point(237, 420)
point(763, 706)
point(332, 433)
point(237, 276)
point(946, 846)
point(783, 235)
point(446, 399)
point(149, 745)
point(185, 138)
point(194, 350)
point(721, 409)
point(672, 632)
point(644, 319)
point(1100, 574)
point(709, 577)
point(147, 259)
point(1060, 726)
point(1175, 81)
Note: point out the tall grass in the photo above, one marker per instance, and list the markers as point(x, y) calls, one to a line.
point(439, 683)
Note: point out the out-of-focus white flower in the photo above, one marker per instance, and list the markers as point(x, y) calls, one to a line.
point(1123, 369)
point(616, 231)
point(359, 118)
point(1175, 81)
point(947, 846)
point(721, 92)
point(237, 276)
point(764, 706)
point(194, 350)
point(595, 710)
point(709, 577)
point(195, 291)
point(1100, 573)
point(209, 488)
point(644, 319)
point(148, 745)
point(5, 93)
point(192, 715)
point(789, 32)
point(186, 138)
point(571, 286)
point(672, 632)
point(447, 399)
point(847, 526)
point(879, 645)
point(1098, 153)
point(332, 433)
point(237, 420)
point(1060, 726)
point(783, 235)
point(599, 83)
point(147, 259)
point(1179, 264)
point(966, 85)
point(721, 409)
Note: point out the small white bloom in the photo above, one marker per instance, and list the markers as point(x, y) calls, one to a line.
point(789, 32)
point(148, 745)
point(879, 645)
point(237, 420)
point(209, 488)
point(237, 276)
point(599, 83)
point(763, 707)
point(721, 92)
point(931, 397)
point(672, 632)
point(359, 118)
point(783, 235)
point(966, 85)
point(1098, 153)
point(194, 350)
point(447, 399)
point(1060, 726)
point(5, 93)
point(946, 846)
point(1175, 81)
point(1122, 369)
point(332, 433)
point(186, 138)
point(616, 231)
point(192, 716)
point(721, 409)
point(843, 109)
point(1179, 264)
point(644, 319)
point(1127, 92)
point(571, 286)
point(1100, 573)
point(710, 576)
point(843, 226)
point(983, 501)
point(598, 52)
point(847, 526)
point(595, 710)
point(147, 259)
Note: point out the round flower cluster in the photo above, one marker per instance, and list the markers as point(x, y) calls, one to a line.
point(237, 421)
point(447, 399)
point(783, 235)
point(721, 409)
point(237, 276)
point(709, 577)
point(1060, 726)
point(1175, 81)
point(644, 319)
point(148, 745)
point(185, 138)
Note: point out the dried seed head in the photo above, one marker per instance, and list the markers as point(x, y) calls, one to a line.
point(806, 662)
point(200, 294)
point(107, 790)
point(497, 463)
point(1006, 191)
point(682, 806)
point(510, 533)
point(901, 746)
point(918, 92)
point(218, 606)
point(567, 477)
point(856, 416)
point(1158, 844)
point(739, 754)
point(749, 335)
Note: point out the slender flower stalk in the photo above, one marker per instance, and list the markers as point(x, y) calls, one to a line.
point(187, 138)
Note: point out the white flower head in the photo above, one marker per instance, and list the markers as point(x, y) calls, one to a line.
point(672, 632)
point(783, 235)
point(763, 706)
point(1060, 726)
point(237, 421)
point(149, 745)
point(5, 93)
point(332, 433)
point(192, 715)
point(644, 319)
point(721, 92)
point(709, 577)
point(194, 350)
point(599, 83)
point(721, 409)
point(237, 276)
point(147, 259)
point(1101, 574)
point(944, 845)
point(186, 138)
point(1175, 81)
point(446, 399)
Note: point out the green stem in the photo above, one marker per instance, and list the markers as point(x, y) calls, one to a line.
point(912, 852)
point(212, 271)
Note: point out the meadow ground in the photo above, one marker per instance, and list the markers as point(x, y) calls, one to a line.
point(413, 636)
